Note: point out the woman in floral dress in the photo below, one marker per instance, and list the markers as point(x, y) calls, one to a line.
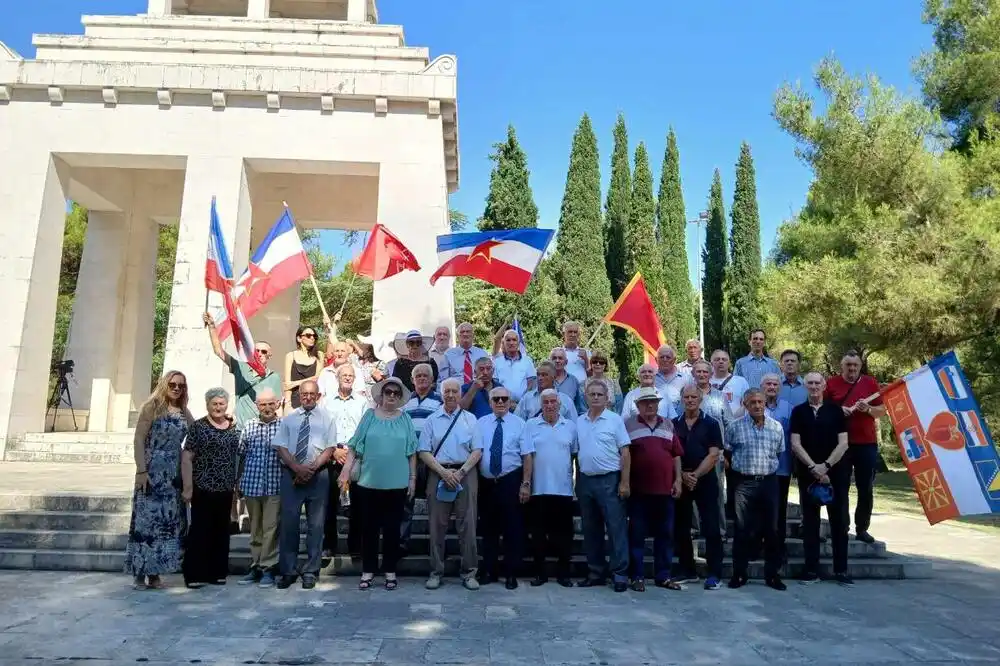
point(158, 517)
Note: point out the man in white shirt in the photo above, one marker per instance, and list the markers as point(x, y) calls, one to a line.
point(531, 402)
point(442, 341)
point(731, 386)
point(460, 361)
point(504, 487)
point(647, 377)
point(670, 379)
point(577, 358)
point(515, 370)
point(693, 349)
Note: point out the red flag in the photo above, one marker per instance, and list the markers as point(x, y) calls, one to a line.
point(384, 256)
point(634, 312)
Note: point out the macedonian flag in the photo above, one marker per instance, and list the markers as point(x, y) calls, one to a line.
point(634, 312)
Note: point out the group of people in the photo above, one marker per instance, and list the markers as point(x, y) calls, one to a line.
point(503, 446)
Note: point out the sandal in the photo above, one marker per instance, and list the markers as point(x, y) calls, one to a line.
point(391, 584)
point(156, 583)
point(366, 583)
point(139, 583)
point(638, 586)
point(668, 584)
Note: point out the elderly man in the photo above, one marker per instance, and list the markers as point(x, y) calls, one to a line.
point(793, 389)
point(515, 370)
point(460, 361)
point(346, 407)
point(476, 396)
point(553, 437)
point(564, 381)
point(670, 379)
point(531, 402)
point(504, 487)
point(731, 386)
point(451, 446)
point(693, 349)
point(857, 395)
point(423, 402)
point(757, 363)
point(248, 382)
point(780, 411)
point(654, 483)
point(260, 486)
point(753, 444)
point(647, 379)
point(340, 355)
point(577, 358)
point(442, 342)
point(305, 443)
point(602, 486)
point(701, 439)
point(820, 441)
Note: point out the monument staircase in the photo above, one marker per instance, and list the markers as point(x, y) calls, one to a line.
point(49, 528)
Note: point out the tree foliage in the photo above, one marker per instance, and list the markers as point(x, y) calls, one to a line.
point(509, 204)
point(716, 264)
point(744, 269)
point(617, 209)
point(671, 233)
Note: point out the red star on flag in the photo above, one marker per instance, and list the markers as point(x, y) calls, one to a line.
point(484, 250)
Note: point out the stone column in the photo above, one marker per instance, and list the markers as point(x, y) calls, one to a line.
point(357, 10)
point(145, 313)
point(188, 348)
point(413, 204)
point(160, 8)
point(33, 210)
point(259, 9)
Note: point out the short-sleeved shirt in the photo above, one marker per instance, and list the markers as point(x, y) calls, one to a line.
point(480, 405)
point(818, 430)
point(463, 439)
point(261, 476)
point(753, 368)
point(793, 391)
point(346, 412)
point(696, 441)
point(216, 455)
point(670, 387)
point(574, 364)
point(601, 441)
point(402, 370)
point(322, 432)
point(755, 448)
point(569, 386)
point(861, 428)
point(652, 452)
point(454, 358)
point(733, 388)
point(714, 404)
point(531, 406)
point(782, 413)
point(384, 446)
point(248, 385)
point(420, 408)
point(555, 445)
point(514, 445)
point(514, 373)
point(666, 408)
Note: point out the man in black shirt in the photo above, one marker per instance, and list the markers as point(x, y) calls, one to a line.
point(701, 438)
point(819, 442)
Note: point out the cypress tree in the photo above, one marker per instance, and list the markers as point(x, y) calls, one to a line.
point(640, 238)
point(715, 259)
point(671, 229)
point(509, 204)
point(617, 208)
point(744, 270)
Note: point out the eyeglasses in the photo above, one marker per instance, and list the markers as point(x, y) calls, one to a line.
point(308, 335)
point(500, 399)
point(392, 393)
point(177, 386)
point(264, 352)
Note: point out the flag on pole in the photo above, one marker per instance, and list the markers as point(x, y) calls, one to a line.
point(516, 327)
point(218, 268)
point(246, 351)
point(507, 259)
point(945, 443)
point(384, 256)
point(635, 313)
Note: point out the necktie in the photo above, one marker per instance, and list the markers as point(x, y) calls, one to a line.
point(302, 446)
point(467, 368)
point(496, 450)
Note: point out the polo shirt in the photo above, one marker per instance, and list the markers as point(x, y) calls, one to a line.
point(652, 451)
point(781, 412)
point(568, 385)
point(601, 441)
point(248, 385)
point(733, 391)
point(531, 406)
point(480, 405)
point(793, 392)
point(514, 444)
point(666, 408)
point(861, 428)
point(818, 430)
point(574, 364)
point(555, 445)
point(420, 408)
point(705, 434)
point(463, 439)
point(753, 368)
point(514, 373)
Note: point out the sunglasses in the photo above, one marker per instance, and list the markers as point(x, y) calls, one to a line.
point(392, 393)
point(177, 386)
point(500, 399)
point(308, 335)
point(264, 352)
point(414, 343)
point(598, 361)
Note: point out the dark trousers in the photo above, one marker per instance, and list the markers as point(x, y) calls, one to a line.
point(501, 514)
point(862, 459)
point(602, 509)
point(839, 513)
point(730, 495)
point(784, 483)
point(551, 518)
point(313, 496)
point(333, 509)
point(651, 515)
point(756, 504)
point(381, 512)
point(406, 527)
point(206, 549)
point(706, 497)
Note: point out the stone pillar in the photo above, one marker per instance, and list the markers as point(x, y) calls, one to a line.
point(33, 210)
point(357, 11)
point(145, 303)
point(259, 9)
point(160, 8)
point(413, 204)
point(188, 348)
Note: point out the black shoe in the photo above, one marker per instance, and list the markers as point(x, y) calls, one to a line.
point(565, 582)
point(736, 582)
point(592, 582)
point(234, 527)
point(284, 582)
point(620, 586)
point(843, 579)
point(774, 582)
point(486, 578)
point(808, 577)
point(538, 581)
point(511, 583)
point(308, 581)
point(865, 537)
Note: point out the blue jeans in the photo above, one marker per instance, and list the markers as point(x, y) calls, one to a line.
point(651, 515)
point(862, 459)
point(602, 509)
point(314, 496)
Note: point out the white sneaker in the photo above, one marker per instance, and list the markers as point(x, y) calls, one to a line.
point(470, 583)
point(433, 583)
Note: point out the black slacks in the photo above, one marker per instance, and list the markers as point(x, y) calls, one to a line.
point(838, 511)
point(501, 514)
point(206, 548)
point(551, 532)
point(706, 497)
point(756, 504)
point(381, 513)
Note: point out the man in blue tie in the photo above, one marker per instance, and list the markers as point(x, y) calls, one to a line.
point(305, 442)
point(505, 472)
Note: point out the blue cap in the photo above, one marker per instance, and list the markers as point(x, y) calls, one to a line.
point(821, 492)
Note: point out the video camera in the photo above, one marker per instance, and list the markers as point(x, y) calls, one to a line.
point(63, 368)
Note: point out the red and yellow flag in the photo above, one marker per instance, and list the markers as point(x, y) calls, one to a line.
point(634, 312)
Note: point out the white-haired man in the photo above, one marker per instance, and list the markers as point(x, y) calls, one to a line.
point(260, 487)
point(670, 379)
point(693, 349)
point(565, 382)
point(577, 358)
point(515, 370)
point(531, 402)
point(647, 378)
point(441, 344)
point(460, 361)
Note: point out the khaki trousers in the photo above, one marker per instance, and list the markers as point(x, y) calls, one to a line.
point(464, 509)
point(264, 512)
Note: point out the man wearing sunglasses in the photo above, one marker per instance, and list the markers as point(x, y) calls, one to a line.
point(248, 383)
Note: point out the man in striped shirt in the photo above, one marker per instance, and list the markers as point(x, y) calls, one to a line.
point(423, 402)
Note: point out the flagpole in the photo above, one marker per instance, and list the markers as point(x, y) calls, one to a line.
point(594, 336)
point(312, 279)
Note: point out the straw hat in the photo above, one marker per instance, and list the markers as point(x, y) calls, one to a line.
point(648, 393)
point(399, 343)
point(395, 381)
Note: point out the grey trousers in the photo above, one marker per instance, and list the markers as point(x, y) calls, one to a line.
point(465, 510)
point(602, 509)
point(314, 496)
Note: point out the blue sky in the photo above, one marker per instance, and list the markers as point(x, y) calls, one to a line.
point(709, 69)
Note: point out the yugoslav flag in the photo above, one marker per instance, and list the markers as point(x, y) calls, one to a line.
point(218, 269)
point(944, 440)
point(506, 259)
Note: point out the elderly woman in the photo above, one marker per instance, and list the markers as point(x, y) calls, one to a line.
point(209, 470)
point(154, 535)
point(412, 349)
point(385, 447)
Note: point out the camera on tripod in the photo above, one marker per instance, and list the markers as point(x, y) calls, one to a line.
point(63, 368)
point(60, 391)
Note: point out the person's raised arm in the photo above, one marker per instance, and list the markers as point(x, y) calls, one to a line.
point(213, 335)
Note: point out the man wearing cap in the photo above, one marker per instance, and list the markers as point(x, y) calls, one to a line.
point(411, 350)
point(819, 441)
point(460, 361)
point(654, 483)
point(515, 370)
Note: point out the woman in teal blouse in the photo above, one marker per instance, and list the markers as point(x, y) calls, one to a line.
point(385, 446)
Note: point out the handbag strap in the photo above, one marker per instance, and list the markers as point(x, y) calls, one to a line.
point(447, 432)
point(849, 392)
point(723, 384)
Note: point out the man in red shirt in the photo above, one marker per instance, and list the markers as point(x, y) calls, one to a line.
point(854, 392)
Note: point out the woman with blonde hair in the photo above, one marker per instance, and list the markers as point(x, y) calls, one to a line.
point(154, 535)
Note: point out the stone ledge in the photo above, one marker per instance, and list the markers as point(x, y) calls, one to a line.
point(241, 23)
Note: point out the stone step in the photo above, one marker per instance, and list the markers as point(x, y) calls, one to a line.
point(895, 567)
point(14, 455)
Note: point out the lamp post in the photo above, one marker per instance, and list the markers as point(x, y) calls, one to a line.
point(702, 220)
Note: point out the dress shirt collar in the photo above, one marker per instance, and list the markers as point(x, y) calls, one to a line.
point(350, 396)
point(785, 382)
point(602, 415)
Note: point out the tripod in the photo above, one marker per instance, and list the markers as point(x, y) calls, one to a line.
point(61, 395)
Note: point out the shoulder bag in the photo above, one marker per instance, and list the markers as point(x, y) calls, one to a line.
point(421, 483)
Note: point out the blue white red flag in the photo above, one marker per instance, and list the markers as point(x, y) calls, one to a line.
point(516, 327)
point(944, 441)
point(218, 269)
point(506, 259)
point(246, 350)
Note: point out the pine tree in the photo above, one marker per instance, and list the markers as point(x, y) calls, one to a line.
point(715, 260)
point(617, 208)
point(671, 231)
point(509, 204)
point(578, 263)
point(643, 253)
point(744, 270)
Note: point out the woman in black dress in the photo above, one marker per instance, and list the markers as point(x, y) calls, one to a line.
point(209, 470)
point(302, 364)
